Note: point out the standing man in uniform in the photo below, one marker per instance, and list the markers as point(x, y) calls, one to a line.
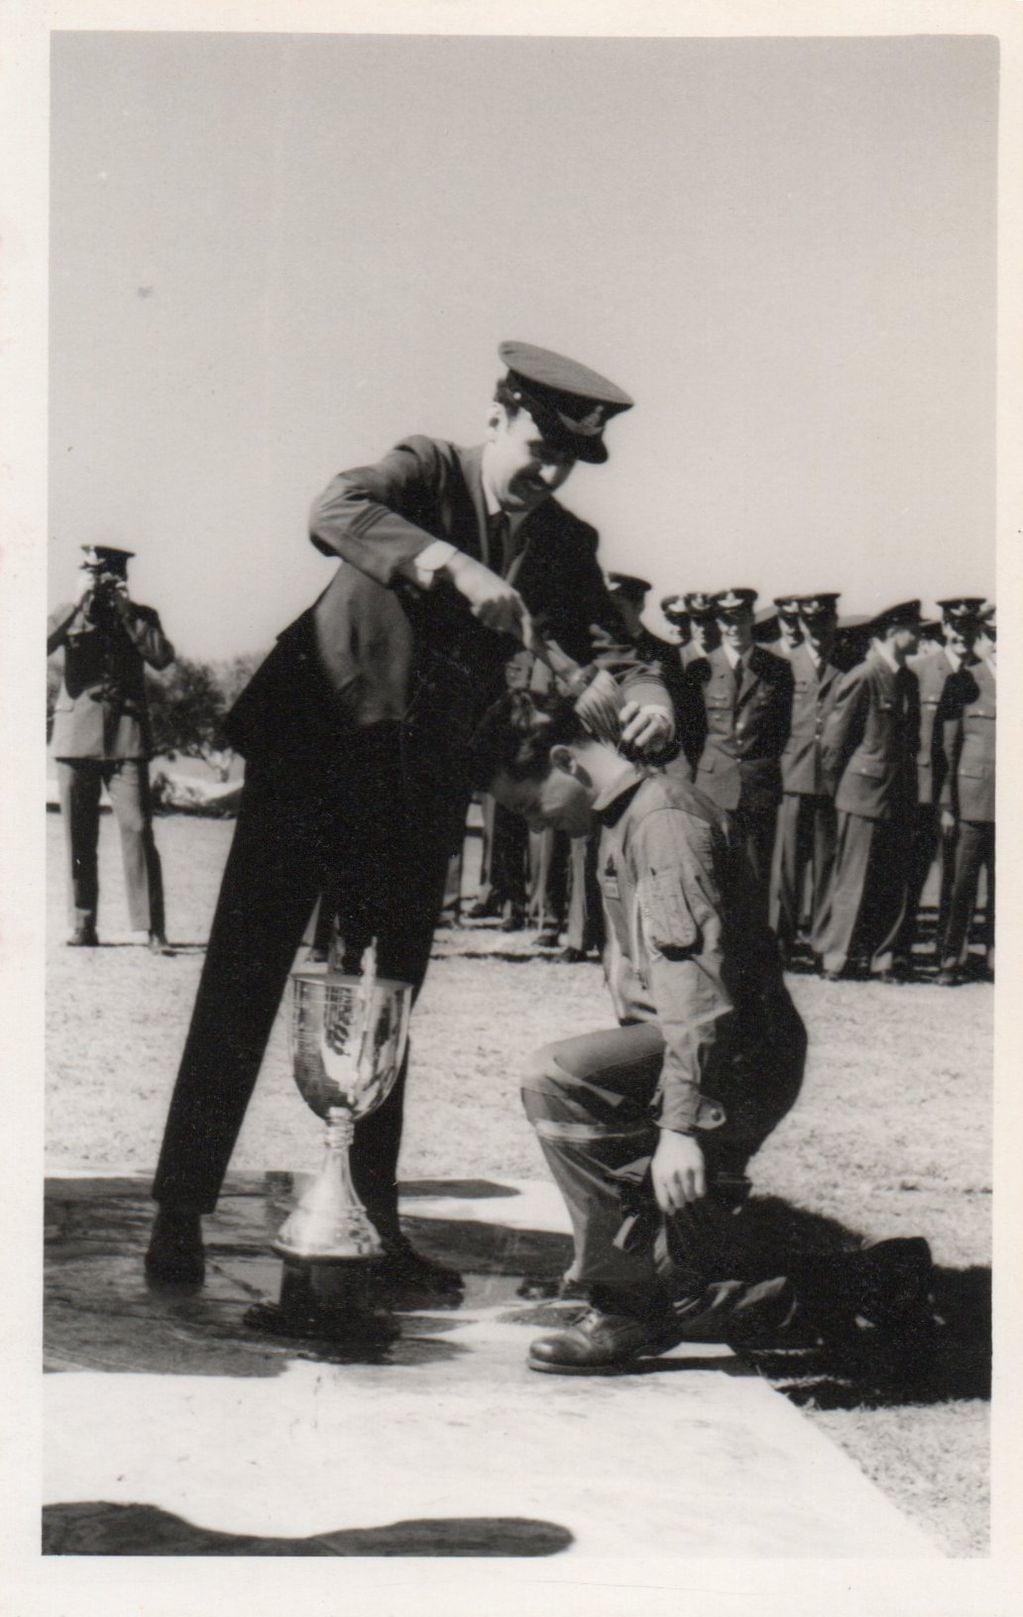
point(704, 636)
point(869, 753)
point(101, 738)
point(934, 827)
point(806, 819)
point(745, 704)
point(356, 731)
point(968, 723)
point(648, 1127)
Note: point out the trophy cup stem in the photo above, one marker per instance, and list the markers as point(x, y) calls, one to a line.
point(330, 1224)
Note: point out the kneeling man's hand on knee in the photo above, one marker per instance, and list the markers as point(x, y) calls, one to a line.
point(677, 1171)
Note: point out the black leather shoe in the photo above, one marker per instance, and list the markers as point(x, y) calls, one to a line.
point(514, 922)
point(548, 938)
point(572, 956)
point(947, 977)
point(175, 1256)
point(402, 1271)
point(602, 1343)
point(83, 937)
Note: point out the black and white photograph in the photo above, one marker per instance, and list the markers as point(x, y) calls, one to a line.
point(517, 509)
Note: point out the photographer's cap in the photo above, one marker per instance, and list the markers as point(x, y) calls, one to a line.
point(570, 404)
point(107, 556)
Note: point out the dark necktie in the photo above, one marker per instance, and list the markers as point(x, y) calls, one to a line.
point(501, 548)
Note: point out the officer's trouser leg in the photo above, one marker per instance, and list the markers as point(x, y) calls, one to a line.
point(402, 915)
point(923, 846)
point(756, 828)
point(825, 833)
point(585, 931)
point(270, 883)
point(792, 845)
point(589, 1100)
point(848, 888)
point(884, 913)
point(128, 784)
point(80, 782)
point(974, 844)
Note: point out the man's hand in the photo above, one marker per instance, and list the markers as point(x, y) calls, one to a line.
point(85, 585)
point(677, 1171)
point(495, 602)
point(948, 823)
point(647, 728)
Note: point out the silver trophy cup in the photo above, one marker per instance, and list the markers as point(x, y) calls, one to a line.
point(348, 1038)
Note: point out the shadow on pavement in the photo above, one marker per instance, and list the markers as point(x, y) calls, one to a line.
point(99, 1527)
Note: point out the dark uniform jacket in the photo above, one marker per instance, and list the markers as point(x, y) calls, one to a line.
point(968, 728)
point(101, 706)
point(813, 691)
point(744, 730)
point(933, 671)
point(376, 646)
point(870, 739)
point(686, 947)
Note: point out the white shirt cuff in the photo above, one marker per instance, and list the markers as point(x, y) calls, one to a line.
point(429, 561)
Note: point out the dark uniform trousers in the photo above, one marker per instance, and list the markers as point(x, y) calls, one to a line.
point(805, 840)
point(869, 751)
point(80, 781)
point(937, 683)
point(589, 1100)
point(970, 792)
point(868, 892)
point(362, 828)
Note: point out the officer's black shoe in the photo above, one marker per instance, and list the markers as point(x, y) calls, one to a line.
point(947, 977)
point(571, 955)
point(175, 1256)
point(479, 911)
point(83, 937)
point(401, 1271)
point(602, 1342)
point(548, 938)
point(514, 921)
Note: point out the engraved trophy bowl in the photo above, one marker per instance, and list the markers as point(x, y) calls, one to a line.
point(348, 1039)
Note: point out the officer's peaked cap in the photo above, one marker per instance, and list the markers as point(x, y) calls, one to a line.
point(675, 609)
point(699, 604)
point(733, 600)
point(816, 607)
point(962, 608)
point(628, 585)
point(906, 613)
point(569, 403)
point(112, 554)
point(788, 605)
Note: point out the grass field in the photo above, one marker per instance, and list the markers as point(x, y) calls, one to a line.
point(891, 1136)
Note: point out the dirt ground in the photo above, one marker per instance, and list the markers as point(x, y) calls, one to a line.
point(891, 1136)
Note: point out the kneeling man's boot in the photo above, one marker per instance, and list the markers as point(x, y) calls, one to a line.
point(610, 1336)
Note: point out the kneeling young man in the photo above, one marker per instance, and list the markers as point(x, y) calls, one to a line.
point(649, 1126)
point(663, 1112)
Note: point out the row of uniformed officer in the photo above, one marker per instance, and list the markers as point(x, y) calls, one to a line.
point(887, 763)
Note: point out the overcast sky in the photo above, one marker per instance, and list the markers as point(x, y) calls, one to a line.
point(272, 256)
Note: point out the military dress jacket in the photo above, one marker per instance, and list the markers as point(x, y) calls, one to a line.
point(802, 771)
point(968, 731)
point(933, 671)
point(377, 646)
point(101, 709)
point(870, 740)
point(686, 947)
point(743, 728)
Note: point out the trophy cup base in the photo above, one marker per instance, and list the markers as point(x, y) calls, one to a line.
point(333, 1302)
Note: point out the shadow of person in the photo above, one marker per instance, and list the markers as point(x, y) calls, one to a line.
point(100, 1527)
point(941, 1354)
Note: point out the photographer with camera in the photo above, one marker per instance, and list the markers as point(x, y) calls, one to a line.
point(101, 738)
